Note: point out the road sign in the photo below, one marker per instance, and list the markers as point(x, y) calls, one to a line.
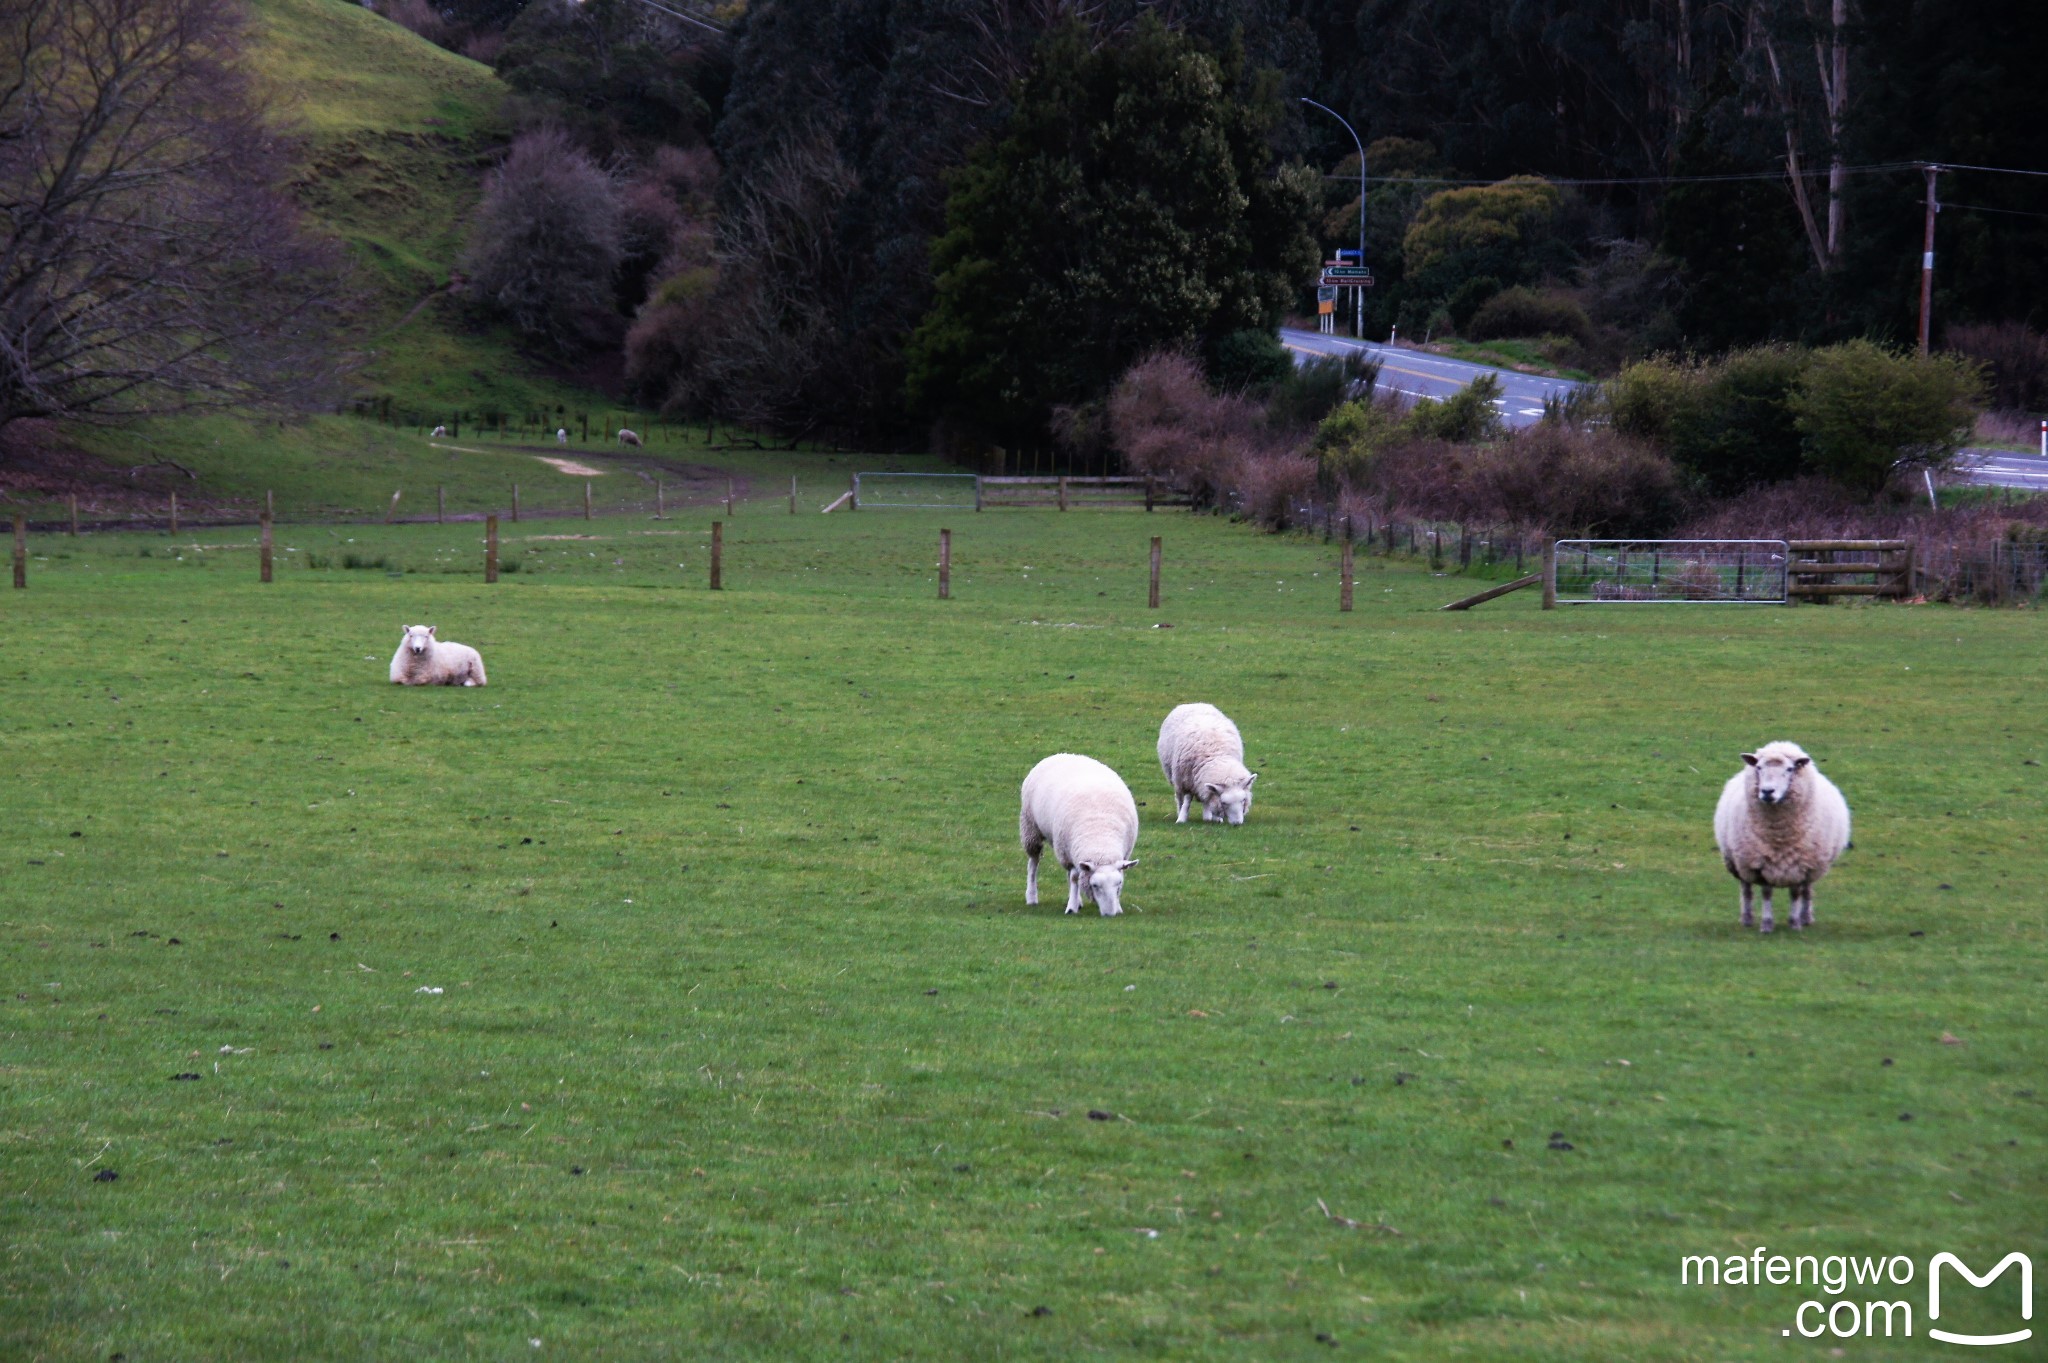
point(1327, 293)
point(1346, 282)
point(1353, 274)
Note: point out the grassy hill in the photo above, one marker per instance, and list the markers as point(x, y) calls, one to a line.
point(396, 137)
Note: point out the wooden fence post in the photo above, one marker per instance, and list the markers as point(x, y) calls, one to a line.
point(1148, 492)
point(1063, 492)
point(717, 556)
point(1549, 573)
point(263, 550)
point(490, 548)
point(977, 492)
point(853, 492)
point(1344, 569)
point(792, 493)
point(74, 515)
point(1152, 597)
point(515, 504)
point(945, 565)
point(660, 501)
point(269, 504)
point(586, 499)
point(728, 496)
point(20, 552)
point(174, 514)
point(391, 512)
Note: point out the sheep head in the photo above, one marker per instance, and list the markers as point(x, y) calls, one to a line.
point(1775, 769)
point(1227, 804)
point(419, 639)
point(1103, 883)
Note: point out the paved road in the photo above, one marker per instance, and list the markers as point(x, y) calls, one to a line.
point(1417, 373)
point(2002, 468)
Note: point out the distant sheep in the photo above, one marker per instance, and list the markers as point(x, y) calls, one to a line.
point(562, 435)
point(1202, 755)
point(1086, 812)
point(1780, 822)
point(423, 660)
point(627, 437)
point(440, 431)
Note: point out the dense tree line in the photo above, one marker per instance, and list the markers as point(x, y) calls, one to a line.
point(1630, 175)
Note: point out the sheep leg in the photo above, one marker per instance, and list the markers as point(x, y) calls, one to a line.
point(1182, 817)
point(1748, 904)
point(1031, 876)
point(1804, 917)
point(1074, 896)
point(1770, 919)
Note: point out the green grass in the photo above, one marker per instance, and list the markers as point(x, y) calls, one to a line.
point(344, 467)
point(1536, 355)
point(750, 1049)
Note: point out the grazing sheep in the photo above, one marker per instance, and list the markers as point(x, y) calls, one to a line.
point(423, 660)
point(627, 437)
point(1086, 812)
point(1202, 755)
point(561, 435)
point(440, 431)
point(1780, 822)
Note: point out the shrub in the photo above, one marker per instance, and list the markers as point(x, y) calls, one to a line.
point(1865, 411)
point(1468, 298)
point(1164, 420)
point(1272, 488)
point(1467, 415)
point(2015, 361)
point(1645, 398)
point(1577, 481)
point(1525, 312)
point(1347, 441)
point(1312, 391)
point(1251, 361)
point(1735, 430)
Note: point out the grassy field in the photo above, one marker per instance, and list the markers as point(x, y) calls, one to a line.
point(674, 996)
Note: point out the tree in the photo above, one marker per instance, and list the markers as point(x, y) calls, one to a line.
point(1866, 412)
point(547, 240)
point(150, 261)
point(1133, 202)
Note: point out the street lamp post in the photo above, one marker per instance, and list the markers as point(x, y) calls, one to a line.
point(1360, 322)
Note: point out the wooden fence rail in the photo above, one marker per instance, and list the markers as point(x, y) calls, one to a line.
point(1818, 566)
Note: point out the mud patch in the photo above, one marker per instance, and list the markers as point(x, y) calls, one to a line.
point(570, 467)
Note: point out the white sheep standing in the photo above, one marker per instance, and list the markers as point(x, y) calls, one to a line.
point(423, 660)
point(627, 437)
point(1202, 754)
point(1780, 822)
point(1086, 812)
point(561, 435)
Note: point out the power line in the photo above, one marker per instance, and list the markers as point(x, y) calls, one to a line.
point(1981, 208)
point(686, 18)
point(1756, 175)
point(1992, 170)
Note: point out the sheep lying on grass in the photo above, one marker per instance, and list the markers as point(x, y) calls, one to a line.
point(423, 660)
point(1202, 755)
point(440, 431)
point(1780, 822)
point(1086, 812)
point(627, 437)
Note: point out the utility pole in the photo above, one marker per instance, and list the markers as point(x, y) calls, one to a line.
point(1359, 325)
point(1927, 259)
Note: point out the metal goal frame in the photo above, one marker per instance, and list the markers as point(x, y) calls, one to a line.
point(1590, 572)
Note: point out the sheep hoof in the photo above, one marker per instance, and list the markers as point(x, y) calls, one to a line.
point(1072, 910)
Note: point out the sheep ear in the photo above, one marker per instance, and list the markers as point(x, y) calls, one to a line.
point(1250, 779)
point(1749, 759)
point(1799, 762)
point(1125, 866)
point(432, 628)
point(1085, 868)
point(1209, 791)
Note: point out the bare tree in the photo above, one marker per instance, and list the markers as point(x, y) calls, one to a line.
point(547, 241)
point(150, 261)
